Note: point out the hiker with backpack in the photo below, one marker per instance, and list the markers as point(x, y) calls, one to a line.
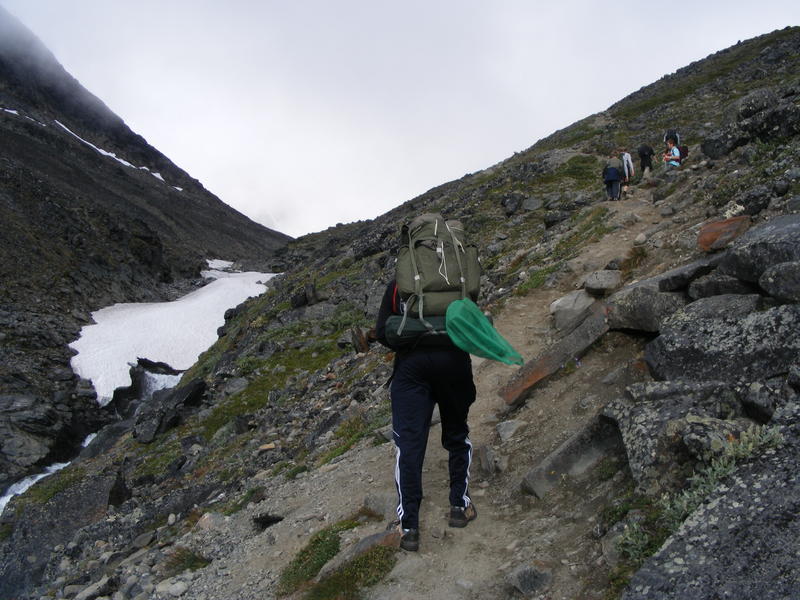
point(434, 268)
point(672, 156)
point(627, 166)
point(613, 173)
point(429, 318)
point(646, 154)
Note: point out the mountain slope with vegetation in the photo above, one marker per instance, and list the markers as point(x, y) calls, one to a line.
point(92, 215)
point(660, 395)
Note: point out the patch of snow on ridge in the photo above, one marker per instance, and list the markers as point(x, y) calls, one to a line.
point(13, 112)
point(100, 150)
point(157, 176)
point(172, 332)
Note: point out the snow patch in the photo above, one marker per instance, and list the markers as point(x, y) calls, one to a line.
point(172, 332)
point(100, 150)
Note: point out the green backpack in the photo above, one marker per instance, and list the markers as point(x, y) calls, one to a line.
point(435, 266)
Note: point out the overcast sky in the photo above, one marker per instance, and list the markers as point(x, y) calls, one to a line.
point(302, 114)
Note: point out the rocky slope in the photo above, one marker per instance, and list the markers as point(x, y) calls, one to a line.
point(647, 449)
point(92, 215)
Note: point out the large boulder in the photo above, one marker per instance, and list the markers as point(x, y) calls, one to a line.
point(782, 281)
point(756, 347)
point(642, 308)
point(165, 410)
point(774, 242)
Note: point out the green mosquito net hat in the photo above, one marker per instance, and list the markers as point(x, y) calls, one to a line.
point(471, 331)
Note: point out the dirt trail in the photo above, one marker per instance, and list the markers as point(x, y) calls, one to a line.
point(514, 529)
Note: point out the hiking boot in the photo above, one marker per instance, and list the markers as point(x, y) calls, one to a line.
point(409, 538)
point(460, 516)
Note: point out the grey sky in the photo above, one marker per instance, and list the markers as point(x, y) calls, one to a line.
point(302, 114)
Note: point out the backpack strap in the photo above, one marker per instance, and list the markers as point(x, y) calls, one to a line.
point(459, 248)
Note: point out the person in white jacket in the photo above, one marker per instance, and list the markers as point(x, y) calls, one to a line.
point(627, 165)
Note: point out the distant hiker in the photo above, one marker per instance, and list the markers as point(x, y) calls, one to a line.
point(672, 156)
point(646, 154)
point(627, 165)
point(613, 173)
point(430, 370)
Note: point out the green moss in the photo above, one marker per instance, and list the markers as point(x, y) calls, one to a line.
point(46, 489)
point(322, 546)
point(6, 529)
point(295, 471)
point(158, 456)
point(363, 571)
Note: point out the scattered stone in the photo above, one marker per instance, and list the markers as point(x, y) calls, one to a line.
point(742, 541)
point(528, 580)
point(507, 429)
point(640, 239)
point(602, 283)
point(569, 311)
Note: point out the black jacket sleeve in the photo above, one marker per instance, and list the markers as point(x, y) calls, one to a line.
point(385, 311)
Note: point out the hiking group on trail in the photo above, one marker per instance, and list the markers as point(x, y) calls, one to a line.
point(618, 170)
point(429, 319)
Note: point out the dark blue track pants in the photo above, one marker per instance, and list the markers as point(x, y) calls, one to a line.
point(423, 378)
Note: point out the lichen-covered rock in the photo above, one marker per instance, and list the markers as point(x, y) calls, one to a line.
point(774, 242)
point(657, 418)
point(782, 281)
point(754, 348)
point(742, 542)
point(734, 306)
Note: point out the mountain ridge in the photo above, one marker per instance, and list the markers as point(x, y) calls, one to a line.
point(92, 215)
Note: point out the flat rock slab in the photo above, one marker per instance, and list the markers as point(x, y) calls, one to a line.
point(742, 542)
point(600, 438)
point(553, 358)
point(717, 235)
point(756, 347)
point(774, 242)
